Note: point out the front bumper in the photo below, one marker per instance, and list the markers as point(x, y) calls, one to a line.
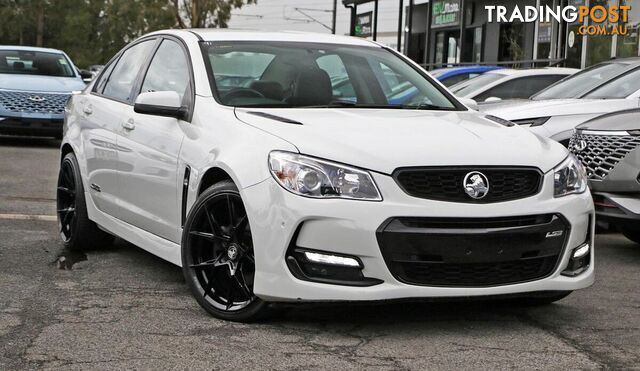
point(622, 210)
point(349, 227)
point(46, 127)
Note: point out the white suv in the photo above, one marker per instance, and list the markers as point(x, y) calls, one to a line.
point(284, 167)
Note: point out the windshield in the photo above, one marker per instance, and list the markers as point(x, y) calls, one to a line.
point(619, 88)
point(469, 87)
point(295, 74)
point(26, 62)
point(582, 82)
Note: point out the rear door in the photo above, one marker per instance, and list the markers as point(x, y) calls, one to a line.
point(149, 178)
point(101, 112)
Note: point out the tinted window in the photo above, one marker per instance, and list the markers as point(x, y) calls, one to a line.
point(582, 82)
point(619, 88)
point(26, 62)
point(124, 73)
point(521, 88)
point(168, 71)
point(450, 81)
point(294, 74)
point(469, 87)
point(104, 77)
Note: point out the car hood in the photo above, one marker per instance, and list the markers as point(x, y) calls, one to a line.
point(41, 84)
point(385, 139)
point(518, 110)
point(623, 120)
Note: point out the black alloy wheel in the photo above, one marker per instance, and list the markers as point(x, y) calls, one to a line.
point(66, 201)
point(76, 230)
point(218, 257)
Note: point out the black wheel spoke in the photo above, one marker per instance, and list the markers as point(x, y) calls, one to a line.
point(210, 236)
point(239, 278)
point(207, 289)
point(241, 225)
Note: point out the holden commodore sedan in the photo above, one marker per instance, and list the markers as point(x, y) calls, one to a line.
point(274, 187)
point(35, 84)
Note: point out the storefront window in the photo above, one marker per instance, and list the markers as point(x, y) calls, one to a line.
point(627, 45)
point(512, 46)
point(599, 47)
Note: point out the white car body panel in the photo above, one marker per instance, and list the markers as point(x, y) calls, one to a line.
point(565, 114)
point(142, 204)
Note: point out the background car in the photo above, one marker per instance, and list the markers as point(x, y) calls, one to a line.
point(35, 84)
point(609, 148)
point(510, 84)
point(453, 75)
point(557, 111)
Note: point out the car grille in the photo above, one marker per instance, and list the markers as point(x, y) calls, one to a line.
point(29, 102)
point(446, 184)
point(601, 153)
point(472, 252)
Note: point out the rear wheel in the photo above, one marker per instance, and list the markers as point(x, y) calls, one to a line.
point(76, 230)
point(633, 235)
point(217, 255)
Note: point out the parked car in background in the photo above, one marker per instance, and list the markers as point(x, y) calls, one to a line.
point(35, 84)
point(282, 190)
point(453, 75)
point(508, 84)
point(556, 112)
point(609, 148)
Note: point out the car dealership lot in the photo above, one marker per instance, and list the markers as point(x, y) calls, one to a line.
point(125, 308)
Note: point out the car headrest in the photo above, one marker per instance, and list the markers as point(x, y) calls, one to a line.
point(311, 87)
point(270, 89)
point(18, 65)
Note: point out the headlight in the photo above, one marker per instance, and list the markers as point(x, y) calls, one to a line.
point(311, 177)
point(539, 121)
point(570, 177)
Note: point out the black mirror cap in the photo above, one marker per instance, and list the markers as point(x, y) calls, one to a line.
point(150, 109)
point(86, 75)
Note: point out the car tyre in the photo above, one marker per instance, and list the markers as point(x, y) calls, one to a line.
point(217, 255)
point(76, 230)
point(633, 235)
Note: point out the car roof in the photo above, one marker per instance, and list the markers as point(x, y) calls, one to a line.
point(535, 71)
point(30, 49)
point(217, 34)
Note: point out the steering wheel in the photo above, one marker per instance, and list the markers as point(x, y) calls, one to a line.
point(242, 93)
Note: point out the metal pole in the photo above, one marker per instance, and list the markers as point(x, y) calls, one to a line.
point(410, 26)
point(333, 19)
point(462, 25)
point(354, 16)
point(375, 23)
point(400, 25)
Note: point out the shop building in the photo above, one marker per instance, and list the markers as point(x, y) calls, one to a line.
point(439, 33)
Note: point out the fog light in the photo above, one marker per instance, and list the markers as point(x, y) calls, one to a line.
point(581, 251)
point(579, 262)
point(331, 259)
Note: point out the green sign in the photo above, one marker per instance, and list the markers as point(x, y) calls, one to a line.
point(363, 24)
point(445, 13)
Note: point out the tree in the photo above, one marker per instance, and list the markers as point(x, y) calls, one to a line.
point(205, 13)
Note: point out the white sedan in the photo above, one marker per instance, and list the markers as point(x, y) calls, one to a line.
point(555, 112)
point(508, 84)
point(229, 154)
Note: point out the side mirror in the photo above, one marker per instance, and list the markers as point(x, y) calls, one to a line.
point(492, 99)
point(160, 103)
point(86, 76)
point(472, 104)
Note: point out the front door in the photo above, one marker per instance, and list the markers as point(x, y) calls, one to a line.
point(148, 174)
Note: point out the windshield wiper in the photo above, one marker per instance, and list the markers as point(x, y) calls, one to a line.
point(347, 104)
point(427, 106)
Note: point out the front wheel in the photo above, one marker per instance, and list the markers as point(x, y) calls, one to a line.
point(218, 257)
point(633, 235)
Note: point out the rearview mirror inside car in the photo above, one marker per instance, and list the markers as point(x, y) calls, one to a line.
point(160, 103)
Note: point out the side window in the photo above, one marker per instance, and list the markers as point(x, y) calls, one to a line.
point(124, 73)
point(98, 87)
point(342, 86)
point(168, 71)
point(521, 88)
point(455, 79)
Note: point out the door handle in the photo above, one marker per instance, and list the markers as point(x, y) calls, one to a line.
point(129, 125)
point(88, 109)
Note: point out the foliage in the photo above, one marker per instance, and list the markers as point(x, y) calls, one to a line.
point(92, 31)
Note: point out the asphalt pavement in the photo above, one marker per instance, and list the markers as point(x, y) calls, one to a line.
point(124, 308)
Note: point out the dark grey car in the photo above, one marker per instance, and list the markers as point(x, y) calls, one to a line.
point(609, 148)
